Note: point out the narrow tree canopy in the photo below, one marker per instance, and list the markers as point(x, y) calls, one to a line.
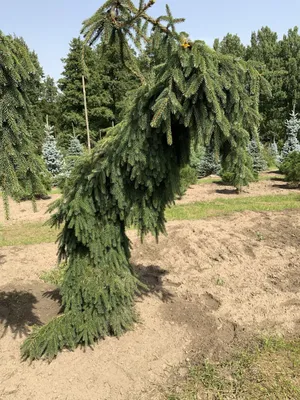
point(21, 169)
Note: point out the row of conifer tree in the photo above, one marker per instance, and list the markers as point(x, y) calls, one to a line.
point(108, 83)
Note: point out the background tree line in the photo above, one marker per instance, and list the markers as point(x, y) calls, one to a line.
point(109, 83)
point(279, 61)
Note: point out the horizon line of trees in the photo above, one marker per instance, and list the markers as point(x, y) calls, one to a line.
point(109, 84)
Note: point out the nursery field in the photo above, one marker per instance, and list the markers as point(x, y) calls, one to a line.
point(222, 311)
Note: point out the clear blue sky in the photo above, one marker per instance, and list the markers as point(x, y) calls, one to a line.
point(48, 26)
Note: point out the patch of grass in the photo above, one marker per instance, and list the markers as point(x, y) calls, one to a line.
point(259, 236)
point(55, 276)
point(205, 181)
point(271, 177)
point(26, 233)
point(220, 282)
point(35, 233)
point(269, 369)
point(55, 190)
point(220, 207)
point(262, 177)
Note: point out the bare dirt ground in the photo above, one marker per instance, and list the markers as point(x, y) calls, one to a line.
point(218, 190)
point(23, 212)
point(212, 283)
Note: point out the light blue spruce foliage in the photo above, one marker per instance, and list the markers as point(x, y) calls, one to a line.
point(75, 150)
point(292, 142)
point(209, 165)
point(259, 163)
point(273, 151)
point(52, 156)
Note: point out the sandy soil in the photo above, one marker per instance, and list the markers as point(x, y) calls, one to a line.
point(213, 191)
point(23, 212)
point(212, 283)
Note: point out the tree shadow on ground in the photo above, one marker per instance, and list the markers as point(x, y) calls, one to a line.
point(226, 191)
point(287, 186)
point(273, 172)
point(53, 295)
point(17, 312)
point(277, 179)
point(152, 277)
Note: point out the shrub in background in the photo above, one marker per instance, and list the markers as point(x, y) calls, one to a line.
point(75, 150)
point(208, 165)
point(291, 168)
point(258, 162)
point(52, 156)
point(273, 155)
point(292, 143)
point(188, 177)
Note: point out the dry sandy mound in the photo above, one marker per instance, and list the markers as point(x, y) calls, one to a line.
point(211, 282)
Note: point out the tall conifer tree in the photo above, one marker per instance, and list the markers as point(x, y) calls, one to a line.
point(292, 143)
point(108, 84)
point(21, 169)
point(133, 174)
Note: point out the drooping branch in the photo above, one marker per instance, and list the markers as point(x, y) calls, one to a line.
point(133, 174)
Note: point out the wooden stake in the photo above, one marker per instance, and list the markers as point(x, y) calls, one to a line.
point(86, 115)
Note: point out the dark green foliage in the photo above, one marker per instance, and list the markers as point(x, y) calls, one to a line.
point(108, 84)
point(21, 169)
point(227, 177)
point(291, 167)
point(278, 61)
point(265, 50)
point(49, 101)
point(71, 104)
point(230, 44)
point(75, 150)
point(188, 177)
point(197, 154)
point(268, 155)
point(46, 179)
point(290, 56)
point(133, 173)
point(255, 150)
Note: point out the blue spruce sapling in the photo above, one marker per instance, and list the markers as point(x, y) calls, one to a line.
point(208, 165)
point(51, 154)
point(259, 163)
point(292, 143)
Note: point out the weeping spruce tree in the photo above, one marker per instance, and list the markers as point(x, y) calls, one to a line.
point(22, 172)
point(133, 173)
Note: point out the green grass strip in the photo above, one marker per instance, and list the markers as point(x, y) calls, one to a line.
point(26, 233)
point(269, 369)
point(35, 232)
point(219, 207)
